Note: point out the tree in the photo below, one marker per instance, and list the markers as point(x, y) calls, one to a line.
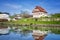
point(56, 15)
point(0, 12)
point(25, 14)
point(4, 13)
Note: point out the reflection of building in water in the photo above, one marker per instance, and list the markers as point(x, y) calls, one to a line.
point(39, 12)
point(39, 35)
point(4, 29)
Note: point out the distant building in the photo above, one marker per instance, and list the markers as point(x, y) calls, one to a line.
point(39, 12)
point(4, 17)
point(17, 17)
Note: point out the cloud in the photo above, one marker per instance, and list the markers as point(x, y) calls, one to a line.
point(27, 10)
point(30, 11)
point(14, 6)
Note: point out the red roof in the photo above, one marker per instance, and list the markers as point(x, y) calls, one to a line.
point(39, 9)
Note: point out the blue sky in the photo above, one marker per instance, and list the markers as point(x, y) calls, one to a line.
point(15, 6)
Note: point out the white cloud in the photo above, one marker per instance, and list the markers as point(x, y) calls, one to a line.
point(14, 6)
point(30, 11)
point(27, 10)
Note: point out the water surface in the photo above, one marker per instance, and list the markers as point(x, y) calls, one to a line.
point(27, 36)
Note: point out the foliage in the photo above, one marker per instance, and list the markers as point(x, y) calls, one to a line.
point(56, 15)
point(32, 21)
point(25, 14)
point(4, 13)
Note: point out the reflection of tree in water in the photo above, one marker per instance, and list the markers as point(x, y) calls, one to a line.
point(24, 33)
point(3, 25)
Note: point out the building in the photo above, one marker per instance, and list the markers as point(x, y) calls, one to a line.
point(39, 12)
point(4, 17)
point(17, 17)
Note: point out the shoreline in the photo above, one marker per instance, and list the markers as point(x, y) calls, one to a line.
point(42, 25)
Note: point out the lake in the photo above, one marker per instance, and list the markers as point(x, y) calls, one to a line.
point(27, 36)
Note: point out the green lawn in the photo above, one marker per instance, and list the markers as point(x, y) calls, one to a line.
point(30, 20)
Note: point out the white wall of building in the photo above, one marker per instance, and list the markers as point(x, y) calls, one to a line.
point(39, 14)
point(4, 16)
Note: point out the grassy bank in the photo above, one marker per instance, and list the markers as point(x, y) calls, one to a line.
point(33, 21)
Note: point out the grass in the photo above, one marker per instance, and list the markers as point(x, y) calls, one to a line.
point(31, 20)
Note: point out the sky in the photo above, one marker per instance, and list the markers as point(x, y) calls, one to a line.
point(16, 6)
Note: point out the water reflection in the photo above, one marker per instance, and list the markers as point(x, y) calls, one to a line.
point(52, 36)
point(16, 36)
point(27, 36)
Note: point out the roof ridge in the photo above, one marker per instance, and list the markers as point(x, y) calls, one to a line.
point(40, 9)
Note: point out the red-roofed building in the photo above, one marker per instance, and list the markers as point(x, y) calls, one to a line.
point(39, 12)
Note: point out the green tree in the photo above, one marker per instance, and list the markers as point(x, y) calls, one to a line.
point(56, 15)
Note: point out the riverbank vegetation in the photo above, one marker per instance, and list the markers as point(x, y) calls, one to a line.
point(33, 21)
point(54, 19)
